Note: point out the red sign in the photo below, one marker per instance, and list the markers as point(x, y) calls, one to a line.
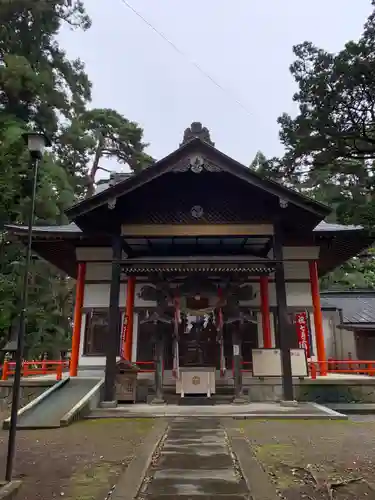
point(302, 326)
point(123, 336)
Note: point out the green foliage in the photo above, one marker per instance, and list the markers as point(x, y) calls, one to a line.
point(101, 133)
point(42, 89)
point(330, 144)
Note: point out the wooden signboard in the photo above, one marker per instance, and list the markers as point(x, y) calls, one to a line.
point(267, 363)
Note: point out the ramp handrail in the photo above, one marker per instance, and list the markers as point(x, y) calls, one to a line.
point(44, 367)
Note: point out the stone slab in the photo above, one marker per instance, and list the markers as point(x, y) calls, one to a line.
point(184, 486)
point(226, 475)
point(196, 460)
point(108, 404)
point(240, 496)
point(207, 440)
point(257, 410)
point(291, 416)
point(195, 433)
point(352, 407)
point(206, 451)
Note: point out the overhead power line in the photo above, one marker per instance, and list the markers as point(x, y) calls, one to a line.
point(186, 56)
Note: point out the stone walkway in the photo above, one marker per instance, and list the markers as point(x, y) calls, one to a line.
point(194, 462)
point(251, 410)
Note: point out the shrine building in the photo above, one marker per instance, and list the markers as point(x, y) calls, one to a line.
point(194, 266)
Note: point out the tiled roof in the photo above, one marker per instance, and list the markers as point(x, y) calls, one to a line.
point(328, 226)
point(73, 228)
point(356, 307)
point(66, 228)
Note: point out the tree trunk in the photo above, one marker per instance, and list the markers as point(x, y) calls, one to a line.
point(94, 167)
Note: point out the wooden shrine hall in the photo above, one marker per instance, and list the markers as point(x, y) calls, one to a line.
point(198, 268)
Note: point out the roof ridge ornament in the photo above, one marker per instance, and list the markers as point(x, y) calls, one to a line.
point(197, 130)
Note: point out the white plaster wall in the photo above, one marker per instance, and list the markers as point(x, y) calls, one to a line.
point(328, 332)
point(98, 271)
point(102, 270)
point(308, 253)
point(87, 254)
point(312, 325)
point(329, 338)
point(96, 295)
point(298, 295)
point(338, 343)
point(348, 344)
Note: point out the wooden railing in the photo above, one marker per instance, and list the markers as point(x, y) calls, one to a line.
point(347, 366)
point(30, 368)
point(146, 366)
point(246, 367)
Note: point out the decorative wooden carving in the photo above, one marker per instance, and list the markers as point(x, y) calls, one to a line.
point(160, 292)
point(235, 292)
point(197, 164)
point(197, 130)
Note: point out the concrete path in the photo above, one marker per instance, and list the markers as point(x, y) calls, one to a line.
point(194, 462)
point(251, 410)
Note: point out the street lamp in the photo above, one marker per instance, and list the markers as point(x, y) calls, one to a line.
point(36, 143)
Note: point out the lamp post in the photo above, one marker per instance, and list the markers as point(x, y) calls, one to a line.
point(36, 143)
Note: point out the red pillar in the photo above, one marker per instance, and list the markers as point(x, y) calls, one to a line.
point(318, 318)
point(129, 315)
point(77, 322)
point(265, 310)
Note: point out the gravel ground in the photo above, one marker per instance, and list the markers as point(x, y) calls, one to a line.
point(79, 462)
point(316, 460)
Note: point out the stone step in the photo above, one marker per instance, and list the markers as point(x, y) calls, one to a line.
point(194, 461)
point(240, 496)
point(196, 401)
point(186, 483)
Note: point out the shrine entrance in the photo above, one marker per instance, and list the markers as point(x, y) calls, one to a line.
point(199, 326)
point(198, 344)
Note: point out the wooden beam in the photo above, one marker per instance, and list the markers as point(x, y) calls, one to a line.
point(196, 230)
point(283, 324)
point(113, 340)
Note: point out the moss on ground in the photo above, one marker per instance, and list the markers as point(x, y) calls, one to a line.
point(80, 462)
point(86, 482)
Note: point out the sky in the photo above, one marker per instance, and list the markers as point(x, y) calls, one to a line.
point(245, 46)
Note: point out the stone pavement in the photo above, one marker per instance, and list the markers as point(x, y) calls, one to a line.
point(194, 462)
point(251, 410)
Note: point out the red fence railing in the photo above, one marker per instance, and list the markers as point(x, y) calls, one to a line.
point(47, 367)
point(30, 368)
point(146, 366)
point(347, 366)
point(246, 367)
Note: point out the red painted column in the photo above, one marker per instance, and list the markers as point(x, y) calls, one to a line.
point(129, 316)
point(77, 321)
point(318, 318)
point(265, 311)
